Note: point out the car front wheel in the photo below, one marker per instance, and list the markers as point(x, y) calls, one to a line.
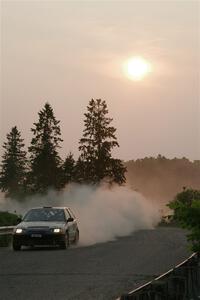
point(76, 239)
point(65, 243)
point(16, 246)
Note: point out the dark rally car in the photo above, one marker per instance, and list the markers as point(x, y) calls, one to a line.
point(46, 226)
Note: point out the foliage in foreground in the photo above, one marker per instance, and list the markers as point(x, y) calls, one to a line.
point(186, 207)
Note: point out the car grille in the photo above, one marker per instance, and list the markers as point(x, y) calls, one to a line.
point(38, 229)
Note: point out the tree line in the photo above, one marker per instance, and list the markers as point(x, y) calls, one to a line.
point(161, 178)
point(35, 171)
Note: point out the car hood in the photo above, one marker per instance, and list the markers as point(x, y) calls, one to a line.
point(40, 225)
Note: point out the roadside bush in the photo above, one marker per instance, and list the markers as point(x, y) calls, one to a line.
point(186, 207)
point(7, 219)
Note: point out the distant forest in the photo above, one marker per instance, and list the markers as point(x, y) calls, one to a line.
point(160, 178)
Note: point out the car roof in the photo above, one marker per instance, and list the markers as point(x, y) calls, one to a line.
point(53, 207)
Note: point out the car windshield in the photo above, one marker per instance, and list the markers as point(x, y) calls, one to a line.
point(45, 215)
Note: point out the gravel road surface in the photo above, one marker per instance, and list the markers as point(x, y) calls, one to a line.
point(100, 272)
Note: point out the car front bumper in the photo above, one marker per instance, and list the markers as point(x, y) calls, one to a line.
point(38, 239)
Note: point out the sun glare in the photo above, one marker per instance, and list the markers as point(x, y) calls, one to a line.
point(137, 68)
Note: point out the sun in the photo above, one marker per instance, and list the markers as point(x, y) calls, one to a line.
point(136, 68)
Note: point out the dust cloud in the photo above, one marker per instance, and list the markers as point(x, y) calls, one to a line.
point(103, 214)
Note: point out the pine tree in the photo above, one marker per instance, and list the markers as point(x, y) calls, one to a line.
point(46, 164)
point(80, 171)
point(14, 165)
point(69, 168)
point(96, 145)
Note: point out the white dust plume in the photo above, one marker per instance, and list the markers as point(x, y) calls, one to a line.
point(103, 214)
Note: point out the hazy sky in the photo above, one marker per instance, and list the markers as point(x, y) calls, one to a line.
point(67, 52)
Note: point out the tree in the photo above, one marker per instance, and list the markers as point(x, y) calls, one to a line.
point(186, 206)
point(96, 145)
point(80, 171)
point(46, 164)
point(14, 165)
point(69, 168)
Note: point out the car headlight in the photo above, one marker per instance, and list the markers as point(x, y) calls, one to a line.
point(18, 230)
point(57, 230)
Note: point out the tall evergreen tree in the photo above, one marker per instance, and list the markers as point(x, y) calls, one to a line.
point(80, 171)
point(96, 145)
point(69, 168)
point(46, 164)
point(14, 165)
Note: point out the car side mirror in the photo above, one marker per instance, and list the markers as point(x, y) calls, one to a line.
point(70, 219)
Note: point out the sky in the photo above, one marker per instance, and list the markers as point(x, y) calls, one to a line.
point(67, 52)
